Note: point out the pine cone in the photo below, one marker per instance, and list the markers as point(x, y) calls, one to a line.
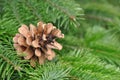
point(37, 42)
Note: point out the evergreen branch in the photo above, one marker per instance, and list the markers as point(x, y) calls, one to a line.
point(16, 67)
point(98, 18)
point(104, 51)
point(13, 10)
point(15, 13)
point(88, 66)
point(32, 9)
point(103, 8)
point(49, 71)
point(9, 61)
point(71, 14)
point(61, 9)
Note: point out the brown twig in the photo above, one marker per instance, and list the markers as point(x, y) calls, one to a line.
point(61, 9)
point(98, 18)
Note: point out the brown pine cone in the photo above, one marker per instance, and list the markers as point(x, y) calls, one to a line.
point(37, 42)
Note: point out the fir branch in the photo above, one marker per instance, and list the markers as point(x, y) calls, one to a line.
point(15, 13)
point(72, 14)
point(16, 67)
point(49, 71)
point(87, 67)
point(105, 19)
point(32, 9)
point(103, 8)
point(61, 9)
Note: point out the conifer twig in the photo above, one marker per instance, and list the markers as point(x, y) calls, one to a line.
point(61, 9)
point(16, 67)
point(98, 18)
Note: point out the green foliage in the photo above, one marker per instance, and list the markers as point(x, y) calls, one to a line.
point(9, 61)
point(86, 66)
point(28, 11)
point(91, 47)
point(49, 71)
